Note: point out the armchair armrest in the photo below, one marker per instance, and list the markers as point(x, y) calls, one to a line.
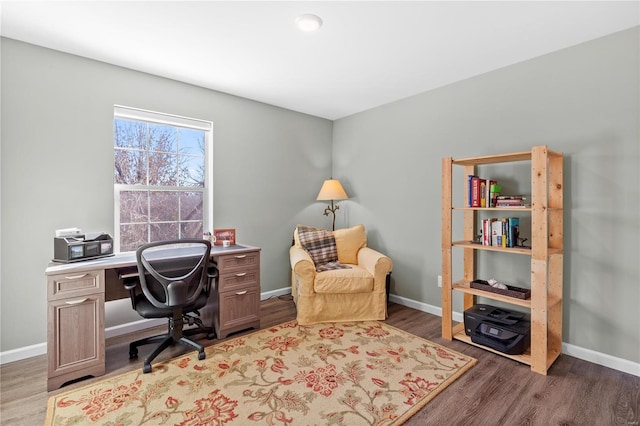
point(303, 268)
point(377, 264)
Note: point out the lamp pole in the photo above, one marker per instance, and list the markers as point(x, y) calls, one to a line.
point(332, 209)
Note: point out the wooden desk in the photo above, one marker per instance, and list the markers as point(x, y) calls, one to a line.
point(76, 293)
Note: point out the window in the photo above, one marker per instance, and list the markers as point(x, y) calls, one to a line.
point(162, 177)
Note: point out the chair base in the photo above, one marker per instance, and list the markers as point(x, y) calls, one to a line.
point(175, 335)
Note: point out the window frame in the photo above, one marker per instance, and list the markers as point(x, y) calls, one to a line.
point(137, 114)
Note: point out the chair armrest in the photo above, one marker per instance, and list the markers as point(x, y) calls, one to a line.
point(212, 276)
point(131, 284)
point(303, 268)
point(377, 264)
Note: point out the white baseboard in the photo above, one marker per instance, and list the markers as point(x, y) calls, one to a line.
point(22, 353)
point(41, 348)
point(130, 327)
point(118, 330)
point(421, 306)
point(274, 293)
point(599, 358)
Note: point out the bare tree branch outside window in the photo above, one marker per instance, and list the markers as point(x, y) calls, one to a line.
point(159, 172)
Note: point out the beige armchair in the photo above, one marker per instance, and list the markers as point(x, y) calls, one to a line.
point(357, 293)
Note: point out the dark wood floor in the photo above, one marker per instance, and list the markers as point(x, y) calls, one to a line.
point(497, 391)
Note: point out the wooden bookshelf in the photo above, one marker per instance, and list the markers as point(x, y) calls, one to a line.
point(546, 253)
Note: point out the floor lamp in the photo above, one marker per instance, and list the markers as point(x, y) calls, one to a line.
point(332, 190)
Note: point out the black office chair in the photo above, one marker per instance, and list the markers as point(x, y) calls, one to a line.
point(175, 280)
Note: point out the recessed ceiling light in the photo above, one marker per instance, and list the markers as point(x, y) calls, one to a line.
point(308, 22)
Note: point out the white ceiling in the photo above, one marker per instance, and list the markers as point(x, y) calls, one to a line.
point(367, 53)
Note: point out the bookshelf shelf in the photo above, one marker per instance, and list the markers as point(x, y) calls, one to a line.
point(501, 209)
point(495, 209)
point(477, 246)
point(516, 250)
point(524, 358)
point(546, 253)
point(465, 287)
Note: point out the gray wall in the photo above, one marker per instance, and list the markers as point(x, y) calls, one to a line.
point(57, 125)
point(582, 101)
point(57, 169)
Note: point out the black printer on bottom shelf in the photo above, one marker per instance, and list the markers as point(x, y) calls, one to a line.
point(499, 329)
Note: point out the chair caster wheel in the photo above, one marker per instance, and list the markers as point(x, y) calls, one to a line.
point(211, 336)
point(146, 368)
point(133, 355)
point(201, 356)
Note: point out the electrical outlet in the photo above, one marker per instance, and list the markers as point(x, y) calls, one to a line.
point(439, 280)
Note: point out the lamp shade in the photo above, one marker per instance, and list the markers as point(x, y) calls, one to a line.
point(332, 190)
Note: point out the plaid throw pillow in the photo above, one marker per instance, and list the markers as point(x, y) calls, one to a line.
point(321, 246)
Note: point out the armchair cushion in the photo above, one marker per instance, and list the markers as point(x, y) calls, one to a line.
point(348, 242)
point(355, 280)
point(321, 246)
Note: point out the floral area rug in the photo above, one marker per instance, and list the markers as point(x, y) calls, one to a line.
point(352, 373)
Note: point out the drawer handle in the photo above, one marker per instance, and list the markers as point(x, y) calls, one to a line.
point(241, 274)
point(75, 277)
point(76, 302)
point(240, 256)
point(240, 293)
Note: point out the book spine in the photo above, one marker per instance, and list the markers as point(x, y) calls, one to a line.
point(505, 231)
point(488, 192)
point(475, 191)
point(496, 232)
point(514, 231)
point(486, 232)
point(483, 193)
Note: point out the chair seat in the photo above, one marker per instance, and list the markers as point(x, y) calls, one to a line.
point(356, 279)
point(146, 310)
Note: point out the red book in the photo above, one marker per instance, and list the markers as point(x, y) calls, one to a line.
point(475, 191)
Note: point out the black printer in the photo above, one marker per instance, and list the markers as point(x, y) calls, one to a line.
point(502, 330)
point(75, 248)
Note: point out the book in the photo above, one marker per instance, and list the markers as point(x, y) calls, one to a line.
point(505, 231)
point(475, 191)
point(512, 206)
point(483, 193)
point(496, 232)
point(469, 191)
point(486, 231)
point(514, 232)
point(509, 203)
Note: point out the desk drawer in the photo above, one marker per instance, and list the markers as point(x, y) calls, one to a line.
point(241, 261)
point(229, 281)
point(239, 309)
point(74, 284)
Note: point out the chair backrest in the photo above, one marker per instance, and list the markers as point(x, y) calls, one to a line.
point(173, 272)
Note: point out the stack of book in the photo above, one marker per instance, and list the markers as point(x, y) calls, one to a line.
point(512, 201)
point(501, 232)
